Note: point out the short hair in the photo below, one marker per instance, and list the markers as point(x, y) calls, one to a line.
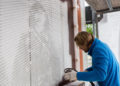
point(83, 38)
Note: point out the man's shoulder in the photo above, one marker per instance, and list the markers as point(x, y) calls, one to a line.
point(100, 45)
point(100, 49)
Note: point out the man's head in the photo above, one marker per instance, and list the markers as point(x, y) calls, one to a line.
point(84, 40)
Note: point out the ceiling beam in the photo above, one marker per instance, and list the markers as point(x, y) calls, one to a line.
point(109, 3)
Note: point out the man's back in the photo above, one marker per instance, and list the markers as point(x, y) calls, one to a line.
point(112, 72)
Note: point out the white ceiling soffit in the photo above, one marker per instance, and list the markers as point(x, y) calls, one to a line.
point(104, 5)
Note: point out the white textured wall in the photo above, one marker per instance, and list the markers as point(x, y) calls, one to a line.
point(14, 43)
point(49, 41)
point(109, 31)
point(35, 30)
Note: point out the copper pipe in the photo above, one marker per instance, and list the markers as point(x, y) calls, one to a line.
point(80, 29)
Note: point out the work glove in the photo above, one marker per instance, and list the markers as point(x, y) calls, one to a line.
point(71, 76)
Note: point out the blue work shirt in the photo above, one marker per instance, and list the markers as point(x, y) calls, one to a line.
point(105, 67)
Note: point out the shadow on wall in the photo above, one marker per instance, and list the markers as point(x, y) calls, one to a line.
point(105, 18)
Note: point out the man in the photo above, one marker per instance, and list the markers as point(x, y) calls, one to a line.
point(105, 68)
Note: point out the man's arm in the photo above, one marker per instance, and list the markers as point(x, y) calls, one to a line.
point(89, 69)
point(100, 66)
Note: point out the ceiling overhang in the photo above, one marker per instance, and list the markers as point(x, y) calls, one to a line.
point(104, 6)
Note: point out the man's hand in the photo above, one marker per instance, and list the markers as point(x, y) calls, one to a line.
point(71, 76)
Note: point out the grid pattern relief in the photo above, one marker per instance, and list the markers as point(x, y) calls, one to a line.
point(33, 38)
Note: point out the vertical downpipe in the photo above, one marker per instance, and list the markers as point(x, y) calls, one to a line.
point(75, 23)
point(79, 30)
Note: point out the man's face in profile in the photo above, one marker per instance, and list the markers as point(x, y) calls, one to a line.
point(83, 47)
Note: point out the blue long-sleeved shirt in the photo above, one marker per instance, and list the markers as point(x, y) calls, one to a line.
point(105, 68)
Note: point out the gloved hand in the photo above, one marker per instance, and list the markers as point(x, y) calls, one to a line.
point(71, 76)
